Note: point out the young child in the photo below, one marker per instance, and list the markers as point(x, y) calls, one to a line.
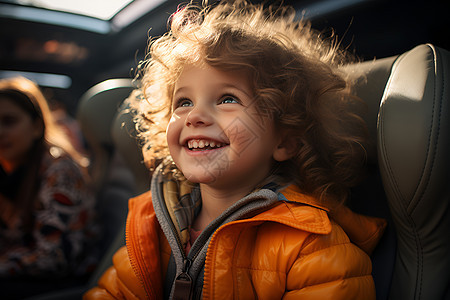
point(251, 123)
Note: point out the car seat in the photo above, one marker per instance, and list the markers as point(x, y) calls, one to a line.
point(408, 119)
point(96, 111)
point(117, 169)
point(127, 143)
point(407, 116)
point(126, 161)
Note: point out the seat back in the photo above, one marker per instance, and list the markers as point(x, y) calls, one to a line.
point(96, 111)
point(127, 143)
point(117, 165)
point(408, 120)
point(113, 178)
point(413, 147)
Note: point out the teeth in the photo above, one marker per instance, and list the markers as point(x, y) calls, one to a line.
point(203, 143)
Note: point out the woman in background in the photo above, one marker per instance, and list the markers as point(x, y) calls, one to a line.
point(46, 205)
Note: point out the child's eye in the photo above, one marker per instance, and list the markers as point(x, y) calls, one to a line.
point(229, 100)
point(183, 103)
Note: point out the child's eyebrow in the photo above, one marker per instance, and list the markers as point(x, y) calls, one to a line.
point(179, 90)
point(237, 88)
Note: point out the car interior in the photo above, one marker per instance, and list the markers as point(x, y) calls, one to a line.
point(404, 81)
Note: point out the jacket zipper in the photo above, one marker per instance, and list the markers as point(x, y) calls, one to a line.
point(183, 282)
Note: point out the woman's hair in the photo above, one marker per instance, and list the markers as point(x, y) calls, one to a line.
point(28, 96)
point(296, 81)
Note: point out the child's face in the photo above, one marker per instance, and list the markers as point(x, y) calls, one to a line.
point(215, 135)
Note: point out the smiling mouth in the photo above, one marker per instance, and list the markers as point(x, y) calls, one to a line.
point(202, 144)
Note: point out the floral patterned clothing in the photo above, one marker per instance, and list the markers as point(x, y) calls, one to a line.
point(63, 230)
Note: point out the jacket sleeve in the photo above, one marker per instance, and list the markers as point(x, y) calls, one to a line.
point(330, 267)
point(118, 282)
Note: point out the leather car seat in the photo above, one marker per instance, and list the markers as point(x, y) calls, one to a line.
point(409, 125)
point(113, 178)
point(413, 139)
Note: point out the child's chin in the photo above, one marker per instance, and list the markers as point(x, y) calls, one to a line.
point(200, 178)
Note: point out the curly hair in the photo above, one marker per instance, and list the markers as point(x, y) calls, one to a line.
point(297, 82)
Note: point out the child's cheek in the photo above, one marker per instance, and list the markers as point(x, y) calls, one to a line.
point(172, 135)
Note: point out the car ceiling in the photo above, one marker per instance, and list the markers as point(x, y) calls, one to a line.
point(90, 50)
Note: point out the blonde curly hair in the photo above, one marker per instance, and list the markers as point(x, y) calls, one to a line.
point(296, 80)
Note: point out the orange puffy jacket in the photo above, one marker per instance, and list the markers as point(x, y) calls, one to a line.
point(291, 251)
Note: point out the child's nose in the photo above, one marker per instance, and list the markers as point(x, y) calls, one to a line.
point(199, 116)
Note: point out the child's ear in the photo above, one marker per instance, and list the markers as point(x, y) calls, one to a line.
point(285, 150)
